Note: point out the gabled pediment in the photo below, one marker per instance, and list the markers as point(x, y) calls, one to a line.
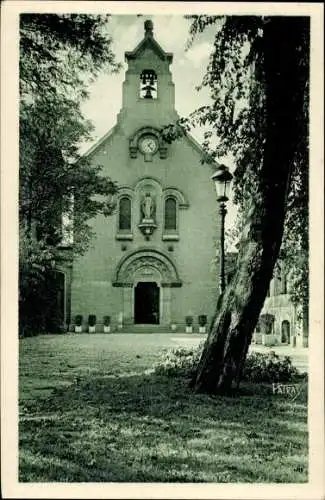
point(150, 43)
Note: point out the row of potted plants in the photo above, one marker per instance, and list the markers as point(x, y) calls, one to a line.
point(92, 321)
point(202, 321)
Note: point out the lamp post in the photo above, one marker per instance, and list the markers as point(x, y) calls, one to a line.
point(222, 178)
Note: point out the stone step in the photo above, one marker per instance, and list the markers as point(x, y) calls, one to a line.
point(181, 328)
point(146, 329)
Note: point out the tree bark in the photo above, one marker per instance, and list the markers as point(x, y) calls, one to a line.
point(225, 351)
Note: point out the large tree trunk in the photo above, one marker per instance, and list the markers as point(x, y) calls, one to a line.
point(230, 335)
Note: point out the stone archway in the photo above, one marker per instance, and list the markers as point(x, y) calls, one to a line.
point(154, 270)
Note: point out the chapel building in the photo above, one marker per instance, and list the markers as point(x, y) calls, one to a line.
point(152, 262)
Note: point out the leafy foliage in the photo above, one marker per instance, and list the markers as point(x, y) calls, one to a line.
point(59, 56)
point(78, 319)
point(258, 78)
point(179, 362)
point(37, 286)
point(259, 367)
point(235, 119)
point(202, 319)
point(295, 247)
point(90, 395)
point(67, 50)
point(92, 320)
point(107, 320)
point(235, 123)
point(189, 320)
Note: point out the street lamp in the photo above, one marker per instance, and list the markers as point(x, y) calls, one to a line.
point(222, 178)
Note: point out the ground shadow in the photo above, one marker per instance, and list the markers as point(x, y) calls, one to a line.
point(148, 428)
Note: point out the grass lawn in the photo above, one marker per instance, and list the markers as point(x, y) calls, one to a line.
point(89, 412)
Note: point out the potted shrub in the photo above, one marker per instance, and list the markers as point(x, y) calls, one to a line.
point(173, 327)
point(92, 323)
point(78, 325)
point(107, 324)
point(202, 320)
point(189, 324)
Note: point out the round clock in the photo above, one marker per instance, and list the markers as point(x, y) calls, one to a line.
point(148, 144)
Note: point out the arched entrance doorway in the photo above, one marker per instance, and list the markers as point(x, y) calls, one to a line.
point(285, 332)
point(147, 278)
point(146, 303)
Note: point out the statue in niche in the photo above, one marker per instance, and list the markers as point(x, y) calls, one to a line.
point(148, 207)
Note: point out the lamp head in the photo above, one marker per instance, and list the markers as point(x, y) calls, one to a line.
point(222, 178)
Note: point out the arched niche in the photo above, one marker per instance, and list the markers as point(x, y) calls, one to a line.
point(149, 269)
point(143, 261)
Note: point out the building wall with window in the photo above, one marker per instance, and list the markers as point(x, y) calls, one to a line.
point(152, 260)
point(281, 322)
point(287, 321)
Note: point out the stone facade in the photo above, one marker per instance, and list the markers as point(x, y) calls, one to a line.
point(151, 262)
point(287, 326)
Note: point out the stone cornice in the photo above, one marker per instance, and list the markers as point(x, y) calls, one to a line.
point(143, 257)
point(149, 42)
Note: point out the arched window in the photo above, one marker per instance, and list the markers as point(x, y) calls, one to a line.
point(170, 214)
point(125, 214)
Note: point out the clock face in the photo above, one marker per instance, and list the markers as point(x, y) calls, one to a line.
point(148, 145)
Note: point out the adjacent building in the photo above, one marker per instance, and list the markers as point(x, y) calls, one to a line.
point(281, 321)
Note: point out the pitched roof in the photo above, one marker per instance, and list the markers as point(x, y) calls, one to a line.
point(149, 42)
point(99, 142)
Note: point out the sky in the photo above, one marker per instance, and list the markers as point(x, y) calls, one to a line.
point(188, 69)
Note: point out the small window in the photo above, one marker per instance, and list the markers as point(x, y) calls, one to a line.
point(125, 214)
point(170, 214)
point(148, 84)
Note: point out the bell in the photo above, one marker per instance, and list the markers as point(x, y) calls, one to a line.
point(148, 89)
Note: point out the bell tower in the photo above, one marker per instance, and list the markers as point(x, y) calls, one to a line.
point(148, 89)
